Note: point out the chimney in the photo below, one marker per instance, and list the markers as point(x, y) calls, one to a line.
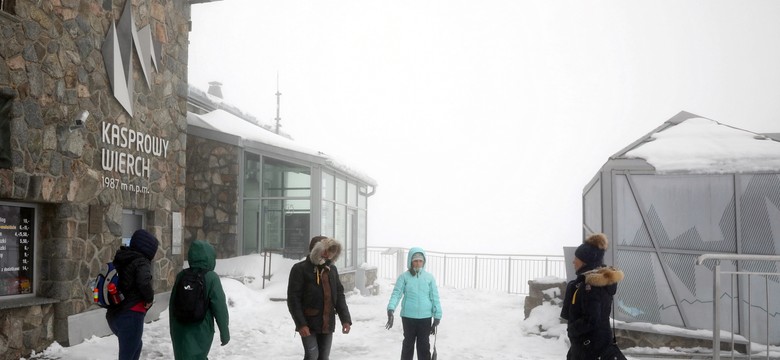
point(215, 88)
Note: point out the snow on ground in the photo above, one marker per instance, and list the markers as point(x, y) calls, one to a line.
point(476, 325)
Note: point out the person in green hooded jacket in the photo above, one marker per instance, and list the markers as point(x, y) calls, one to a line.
point(193, 341)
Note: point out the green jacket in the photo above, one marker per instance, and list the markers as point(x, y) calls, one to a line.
point(193, 341)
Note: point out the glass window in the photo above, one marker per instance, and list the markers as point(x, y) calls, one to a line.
point(296, 227)
point(251, 176)
point(341, 190)
point(286, 225)
point(17, 249)
point(132, 220)
point(352, 194)
point(351, 238)
point(272, 226)
point(327, 227)
point(362, 198)
point(362, 237)
point(284, 179)
point(251, 243)
point(340, 232)
point(327, 186)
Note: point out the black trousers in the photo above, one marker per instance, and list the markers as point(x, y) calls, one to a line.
point(419, 331)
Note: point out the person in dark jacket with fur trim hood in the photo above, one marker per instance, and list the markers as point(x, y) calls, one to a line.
point(588, 301)
point(134, 265)
point(315, 295)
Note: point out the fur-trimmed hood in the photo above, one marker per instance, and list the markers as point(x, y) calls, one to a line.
point(603, 276)
point(315, 255)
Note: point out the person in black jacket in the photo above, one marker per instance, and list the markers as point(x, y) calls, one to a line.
point(315, 295)
point(134, 265)
point(588, 301)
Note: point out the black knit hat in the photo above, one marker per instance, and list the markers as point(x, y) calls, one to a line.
point(145, 243)
point(592, 249)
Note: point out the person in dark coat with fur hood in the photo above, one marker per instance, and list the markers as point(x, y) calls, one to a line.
point(588, 300)
point(134, 265)
point(314, 297)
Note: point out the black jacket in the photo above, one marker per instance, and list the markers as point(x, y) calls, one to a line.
point(135, 279)
point(305, 294)
point(305, 297)
point(586, 307)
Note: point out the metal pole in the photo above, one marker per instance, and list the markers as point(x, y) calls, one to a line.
point(444, 277)
point(400, 263)
point(264, 260)
point(716, 313)
point(749, 309)
point(476, 271)
point(766, 283)
point(733, 289)
point(509, 277)
point(546, 266)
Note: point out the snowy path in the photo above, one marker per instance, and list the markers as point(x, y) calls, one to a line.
point(476, 325)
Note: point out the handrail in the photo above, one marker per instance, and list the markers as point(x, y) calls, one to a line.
point(744, 257)
point(716, 290)
point(507, 272)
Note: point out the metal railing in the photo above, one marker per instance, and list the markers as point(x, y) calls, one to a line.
point(717, 293)
point(509, 273)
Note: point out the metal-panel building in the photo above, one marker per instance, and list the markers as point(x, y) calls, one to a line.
point(691, 186)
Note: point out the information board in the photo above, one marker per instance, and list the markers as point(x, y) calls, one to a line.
point(16, 249)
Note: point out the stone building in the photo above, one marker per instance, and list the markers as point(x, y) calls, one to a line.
point(100, 135)
point(93, 103)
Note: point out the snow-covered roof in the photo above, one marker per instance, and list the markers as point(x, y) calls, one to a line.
point(225, 122)
point(704, 146)
point(209, 102)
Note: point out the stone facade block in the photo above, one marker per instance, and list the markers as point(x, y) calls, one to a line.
point(25, 329)
point(539, 292)
point(212, 210)
point(52, 68)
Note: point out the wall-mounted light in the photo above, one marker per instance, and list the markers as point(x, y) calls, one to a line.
point(80, 121)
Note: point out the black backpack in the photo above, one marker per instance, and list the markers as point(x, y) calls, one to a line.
point(190, 302)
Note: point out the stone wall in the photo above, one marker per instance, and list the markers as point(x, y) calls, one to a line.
point(52, 68)
point(23, 327)
point(541, 291)
point(212, 198)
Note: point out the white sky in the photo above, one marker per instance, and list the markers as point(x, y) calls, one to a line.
point(263, 329)
point(482, 121)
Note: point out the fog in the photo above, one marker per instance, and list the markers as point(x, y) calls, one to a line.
point(482, 121)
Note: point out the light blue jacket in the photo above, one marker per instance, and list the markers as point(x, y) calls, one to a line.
point(419, 292)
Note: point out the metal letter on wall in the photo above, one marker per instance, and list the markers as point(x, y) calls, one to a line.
point(118, 55)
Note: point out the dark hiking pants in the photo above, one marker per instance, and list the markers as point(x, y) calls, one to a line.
point(419, 331)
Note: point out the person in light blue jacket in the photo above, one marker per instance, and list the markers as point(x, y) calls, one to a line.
point(420, 303)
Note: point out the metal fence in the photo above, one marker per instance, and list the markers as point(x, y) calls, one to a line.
point(760, 290)
point(509, 273)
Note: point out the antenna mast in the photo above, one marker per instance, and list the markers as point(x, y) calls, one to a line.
point(278, 100)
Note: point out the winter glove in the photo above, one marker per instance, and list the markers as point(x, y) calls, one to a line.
point(389, 319)
point(433, 327)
